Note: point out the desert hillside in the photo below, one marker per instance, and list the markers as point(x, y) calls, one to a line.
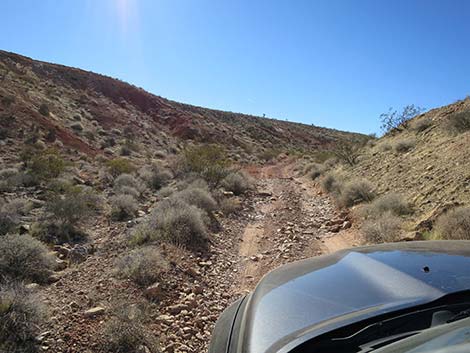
point(129, 222)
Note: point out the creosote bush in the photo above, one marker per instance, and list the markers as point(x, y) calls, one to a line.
point(455, 224)
point(143, 266)
point(392, 202)
point(43, 165)
point(355, 192)
point(404, 145)
point(314, 170)
point(210, 162)
point(24, 258)
point(173, 221)
point(386, 228)
point(21, 317)
point(238, 183)
point(120, 166)
point(126, 332)
point(123, 207)
point(125, 182)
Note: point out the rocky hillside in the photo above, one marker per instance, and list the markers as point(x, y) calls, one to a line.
point(427, 160)
point(94, 114)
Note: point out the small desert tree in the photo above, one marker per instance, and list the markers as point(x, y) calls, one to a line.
point(394, 118)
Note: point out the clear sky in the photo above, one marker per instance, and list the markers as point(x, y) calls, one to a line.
point(328, 62)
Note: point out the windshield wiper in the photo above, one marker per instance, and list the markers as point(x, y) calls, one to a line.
point(462, 315)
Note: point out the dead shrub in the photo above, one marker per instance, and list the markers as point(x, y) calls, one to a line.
point(421, 125)
point(123, 207)
point(355, 192)
point(238, 183)
point(143, 266)
point(333, 182)
point(404, 144)
point(24, 258)
point(127, 184)
point(384, 229)
point(229, 206)
point(126, 332)
point(173, 221)
point(454, 224)
point(392, 202)
point(21, 318)
point(313, 170)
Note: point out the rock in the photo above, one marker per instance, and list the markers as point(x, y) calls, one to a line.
point(265, 193)
point(24, 229)
point(60, 265)
point(346, 225)
point(55, 277)
point(411, 236)
point(154, 292)
point(78, 254)
point(141, 213)
point(198, 289)
point(96, 311)
point(32, 286)
point(176, 309)
point(62, 250)
point(228, 193)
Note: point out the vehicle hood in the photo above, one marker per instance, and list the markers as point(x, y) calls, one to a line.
point(304, 299)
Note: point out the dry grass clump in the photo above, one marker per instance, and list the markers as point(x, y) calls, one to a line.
point(314, 170)
point(126, 332)
point(355, 192)
point(392, 202)
point(229, 206)
point(385, 146)
point(155, 176)
point(9, 179)
point(25, 258)
point(454, 224)
point(143, 266)
point(404, 145)
point(333, 182)
point(238, 183)
point(421, 125)
point(383, 229)
point(126, 184)
point(123, 207)
point(21, 317)
point(173, 221)
point(458, 123)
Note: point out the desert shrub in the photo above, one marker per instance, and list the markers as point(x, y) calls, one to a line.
point(238, 183)
point(44, 109)
point(155, 176)
point(385, 146)
point(8, 179)
point(127, 190)
point(313, 170)
point(386, 228)
point(348, 152)
point(21, 317)
point(229, 206)
point(24, 258)
point(458, 122)
point(268, 154)
point(356, 191)
point(454, 224)
point(125, 150)
point(77, 126)
point(143, 266)
point(125, 180)
point(208, 161)
point(421, 125)
point(123, 207)
point(404, 145)
point(120, 166)
point(126, 332)
point(333, 182)
point(174, 221)
point(44, 165)
point(394, 119)
point(393, 203)
point(166, 191)
point(198, 197)
point(8, 222)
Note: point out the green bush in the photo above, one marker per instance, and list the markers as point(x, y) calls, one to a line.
point(386, 228)
point(173, 221)
point(392, 202)
point(24, 258)
point(454, 224)
point(355, 192)
point(208, 161)
point(143, 266)
point(43, 164)
point(238, 183)
point(127, 333)
point(123, 207)
point(458, 122)
point(21, 318)
point(120, 166)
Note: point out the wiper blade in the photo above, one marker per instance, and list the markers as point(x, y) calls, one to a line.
point(462, 315)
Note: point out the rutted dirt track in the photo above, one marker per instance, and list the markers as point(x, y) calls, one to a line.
point(287, 219)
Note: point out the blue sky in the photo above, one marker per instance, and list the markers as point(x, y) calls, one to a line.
point(328, 62)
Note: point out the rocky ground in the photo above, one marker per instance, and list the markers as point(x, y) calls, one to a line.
point(287, 219)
